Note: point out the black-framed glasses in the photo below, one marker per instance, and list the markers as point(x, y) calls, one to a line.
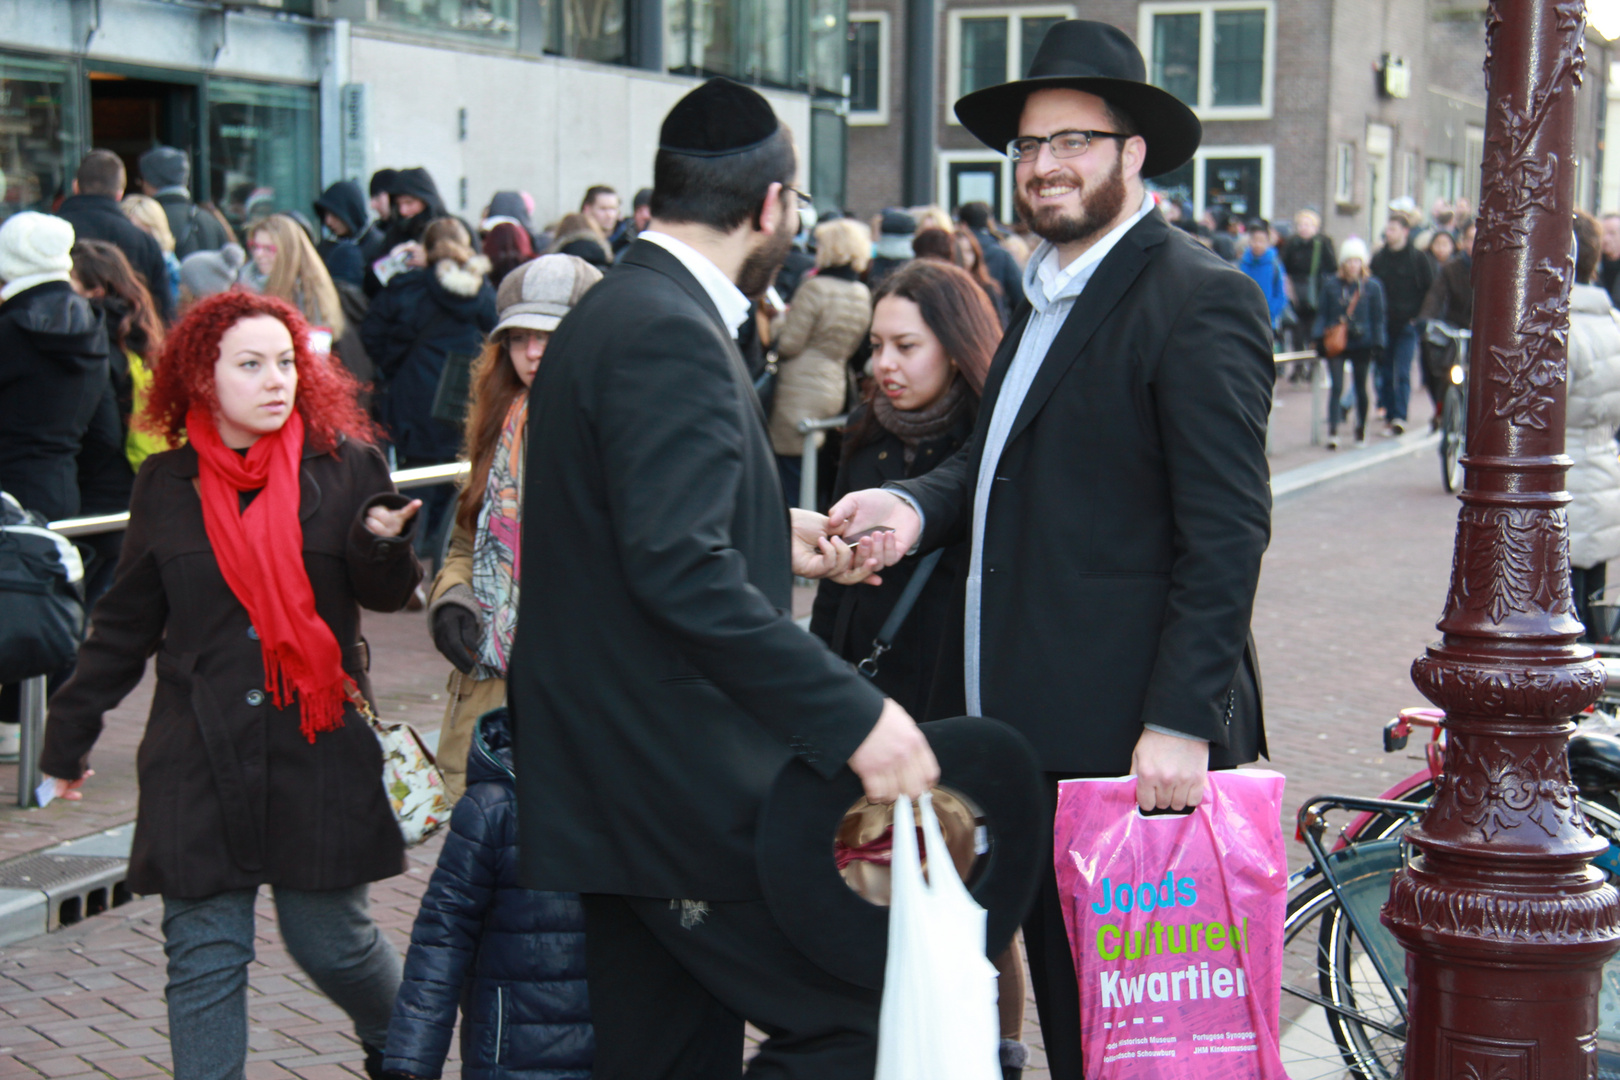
point(1064, 144)
point(802, 196)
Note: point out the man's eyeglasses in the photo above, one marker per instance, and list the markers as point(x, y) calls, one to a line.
point(802, 196)
point(1064, 144)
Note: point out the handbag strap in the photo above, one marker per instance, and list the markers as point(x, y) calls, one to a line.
point(908, 599)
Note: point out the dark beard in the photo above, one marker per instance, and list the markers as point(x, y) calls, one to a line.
point(1100, 204)
point(760, 266)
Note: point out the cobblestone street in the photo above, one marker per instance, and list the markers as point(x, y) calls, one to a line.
point(1353, 583)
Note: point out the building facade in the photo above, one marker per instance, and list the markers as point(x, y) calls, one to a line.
point(1338, 105)
point(274, 99)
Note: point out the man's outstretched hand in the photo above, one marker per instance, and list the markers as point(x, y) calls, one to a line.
point(895, 759)
point(819, 554)
point(860, 512)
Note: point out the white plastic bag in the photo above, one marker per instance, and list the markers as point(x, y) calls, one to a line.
point(939, 992)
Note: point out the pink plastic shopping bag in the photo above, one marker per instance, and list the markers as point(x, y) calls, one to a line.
point(1175, 922)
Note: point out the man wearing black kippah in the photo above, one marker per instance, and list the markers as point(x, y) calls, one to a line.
point(658, 684)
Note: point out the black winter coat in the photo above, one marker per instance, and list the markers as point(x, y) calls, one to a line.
point(512, 958)
point(98, 217)
point(413, 327)
point(53, 382)
point(848, 617)
point(657, 680)
point(194, 228)
point(1367, 325)
point(347, 257)
point(1406, 276)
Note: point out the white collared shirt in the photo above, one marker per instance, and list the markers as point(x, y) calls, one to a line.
point(728, 299)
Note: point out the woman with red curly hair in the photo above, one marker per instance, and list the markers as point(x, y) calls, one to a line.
point(251, 549)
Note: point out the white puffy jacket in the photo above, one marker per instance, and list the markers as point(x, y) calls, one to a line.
point(1592, 419)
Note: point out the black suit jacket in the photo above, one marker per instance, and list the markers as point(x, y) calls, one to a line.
point(1128, 516)
point(658, 682)
point(98, 217)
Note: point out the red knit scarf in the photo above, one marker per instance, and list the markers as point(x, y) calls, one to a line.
point(260, 552)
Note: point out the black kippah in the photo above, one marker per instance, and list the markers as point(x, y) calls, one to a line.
point(719, 118)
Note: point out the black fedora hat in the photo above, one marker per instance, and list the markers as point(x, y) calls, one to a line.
point(988, 765)
point(1100, 59)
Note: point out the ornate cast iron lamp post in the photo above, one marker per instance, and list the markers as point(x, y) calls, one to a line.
point(1505, 923)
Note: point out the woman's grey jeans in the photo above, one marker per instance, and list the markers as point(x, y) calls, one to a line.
point(209, 944)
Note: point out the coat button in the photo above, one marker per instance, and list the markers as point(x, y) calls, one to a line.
point(255, 697)
point(882, 454)
point(253, 633)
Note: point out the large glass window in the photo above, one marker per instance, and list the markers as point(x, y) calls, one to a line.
point(39, 137)
point(984, 53)
point(1215, 55)
point(1240, 56)
point(1175, 55)
point(828, 149)
point(1031, 32)
point(796, 44)
point(262, 148)
point(484, 18)
point(825, 40)
point(585, 29)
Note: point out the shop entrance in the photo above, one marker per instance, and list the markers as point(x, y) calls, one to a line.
point(129, 115)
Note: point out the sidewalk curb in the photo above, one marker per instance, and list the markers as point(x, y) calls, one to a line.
point(1351, 461)
point(25, 912)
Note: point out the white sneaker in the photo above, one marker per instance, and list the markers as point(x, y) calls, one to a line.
point(10, 742)
point(1333, 442)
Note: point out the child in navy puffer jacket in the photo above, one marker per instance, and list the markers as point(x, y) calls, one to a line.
point(512, 957)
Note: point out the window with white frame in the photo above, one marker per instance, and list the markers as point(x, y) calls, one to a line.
point(974, 176)
point(1344, 175)
point(989, 46)
point(868, 67)
point(1218, 56)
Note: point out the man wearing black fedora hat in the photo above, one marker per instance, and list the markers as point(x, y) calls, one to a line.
point(657, 682)
point(1116, 491)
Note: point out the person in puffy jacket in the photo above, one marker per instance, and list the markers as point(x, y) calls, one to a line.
point(512, 958)
point(1352, 296)
point(1591, 416)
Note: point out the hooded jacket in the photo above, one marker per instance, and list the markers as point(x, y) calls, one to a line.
point(98, 217)
point(419, 183)
point(509, 206)
point(54, 385)
point(414, 326)
point(514, 958)
point(347, 257)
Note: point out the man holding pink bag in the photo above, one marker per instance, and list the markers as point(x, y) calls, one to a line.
point(1115, 492)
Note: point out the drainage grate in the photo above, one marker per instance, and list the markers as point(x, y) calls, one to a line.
point(75, 886)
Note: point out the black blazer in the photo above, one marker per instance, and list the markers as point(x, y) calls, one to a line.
point(658, 683)
point(1130, 510)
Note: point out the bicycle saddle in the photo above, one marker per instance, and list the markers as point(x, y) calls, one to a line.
point(1594, 761)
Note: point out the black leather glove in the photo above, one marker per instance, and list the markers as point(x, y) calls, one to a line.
point(456, 630)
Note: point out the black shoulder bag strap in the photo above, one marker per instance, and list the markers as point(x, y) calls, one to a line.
point(897, 618)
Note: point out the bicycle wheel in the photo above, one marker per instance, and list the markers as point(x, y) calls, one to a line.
point(1339, 1020)
point(1451, 439)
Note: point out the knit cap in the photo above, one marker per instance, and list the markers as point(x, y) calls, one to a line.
point(204, 273)
point(165, 167)
point(34, 248)
point(1353, 248)
point(537, 295)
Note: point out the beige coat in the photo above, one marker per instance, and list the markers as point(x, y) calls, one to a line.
point(469, 697)
point(1593, 414)
point(827, 322)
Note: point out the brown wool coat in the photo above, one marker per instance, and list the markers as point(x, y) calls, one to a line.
point(231, 794)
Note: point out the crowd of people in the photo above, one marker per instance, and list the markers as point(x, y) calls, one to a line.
point(626, 683)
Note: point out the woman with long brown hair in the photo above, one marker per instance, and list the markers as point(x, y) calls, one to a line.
point(103, 275)
point(472, 610)
point(933, 335)
point(285, 265)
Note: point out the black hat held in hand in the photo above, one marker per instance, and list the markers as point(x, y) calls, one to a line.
point(986, 764)
point(718, 119)
point(1077, 54)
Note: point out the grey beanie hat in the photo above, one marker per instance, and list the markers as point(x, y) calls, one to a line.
point(536, 295)
point(204, 273)
point(165, 167)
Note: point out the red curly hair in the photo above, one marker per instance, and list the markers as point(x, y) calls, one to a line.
point(326, 394)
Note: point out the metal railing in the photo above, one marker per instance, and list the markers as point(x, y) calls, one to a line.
point(1318, 391)
point(808, 480)
point(32, 697)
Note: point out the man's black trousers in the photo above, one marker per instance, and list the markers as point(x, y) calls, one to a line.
point(672, 983)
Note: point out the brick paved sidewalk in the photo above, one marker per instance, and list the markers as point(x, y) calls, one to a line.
point(1351, 588)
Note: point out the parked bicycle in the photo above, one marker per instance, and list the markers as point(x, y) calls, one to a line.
point(1445, 353)
point(1344, 975)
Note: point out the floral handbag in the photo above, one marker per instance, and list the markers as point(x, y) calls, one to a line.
point(411, 778)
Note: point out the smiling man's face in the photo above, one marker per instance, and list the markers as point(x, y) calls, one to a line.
point(1070, 200)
